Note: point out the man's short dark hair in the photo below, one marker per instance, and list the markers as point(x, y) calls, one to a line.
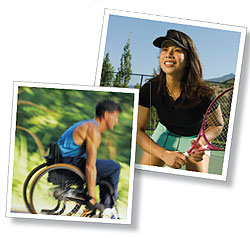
point(106, 105)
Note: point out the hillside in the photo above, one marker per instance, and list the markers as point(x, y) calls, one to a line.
point(221, 79)
point(219, 87)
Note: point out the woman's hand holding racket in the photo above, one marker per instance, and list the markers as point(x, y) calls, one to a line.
point(198, 153)
point(173, 159)
point(213, 132)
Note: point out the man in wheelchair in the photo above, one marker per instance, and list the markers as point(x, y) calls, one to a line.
point(78, 146)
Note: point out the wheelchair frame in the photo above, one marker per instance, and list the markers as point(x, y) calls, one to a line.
point(60, 193)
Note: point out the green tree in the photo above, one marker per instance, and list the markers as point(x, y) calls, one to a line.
point(127, 64)
point(107, 72)
point(117, 80)
point(137, 86)
point(124, 71)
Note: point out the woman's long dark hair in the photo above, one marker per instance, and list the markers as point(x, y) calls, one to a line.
point(193, 87)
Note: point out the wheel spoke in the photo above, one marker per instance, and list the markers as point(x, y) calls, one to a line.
point(56, 185)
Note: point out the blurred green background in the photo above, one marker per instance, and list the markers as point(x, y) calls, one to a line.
point(43, 114)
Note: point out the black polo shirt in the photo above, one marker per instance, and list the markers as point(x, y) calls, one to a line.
point(184, 121)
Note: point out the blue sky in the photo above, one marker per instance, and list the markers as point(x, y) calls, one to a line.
point(218, 49)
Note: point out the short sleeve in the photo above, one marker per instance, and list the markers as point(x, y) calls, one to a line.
point(207, 103)
point(215, 104)
point(145, 95)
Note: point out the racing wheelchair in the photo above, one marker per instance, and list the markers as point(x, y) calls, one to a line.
point(55, 188)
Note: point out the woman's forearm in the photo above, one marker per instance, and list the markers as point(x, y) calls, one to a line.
point(143, 140)
point(211, 133)
point(148, 145)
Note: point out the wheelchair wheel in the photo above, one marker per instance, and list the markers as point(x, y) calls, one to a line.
point(110, 189)
point(59, 189)
point(26, 184)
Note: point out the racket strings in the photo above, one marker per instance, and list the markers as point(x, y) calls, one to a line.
point(217, 120)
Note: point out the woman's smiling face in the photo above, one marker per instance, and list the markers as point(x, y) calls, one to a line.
point(173, 59)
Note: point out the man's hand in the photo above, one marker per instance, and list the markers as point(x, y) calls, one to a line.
point(91, 208)
point(92, 201)
point(174, 159)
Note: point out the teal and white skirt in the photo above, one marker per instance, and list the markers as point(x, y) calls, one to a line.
point(171, 141)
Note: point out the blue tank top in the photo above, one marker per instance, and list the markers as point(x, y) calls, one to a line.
point(67, 145)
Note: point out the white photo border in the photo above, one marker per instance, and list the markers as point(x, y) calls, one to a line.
point(17, 84)
point(146, 16)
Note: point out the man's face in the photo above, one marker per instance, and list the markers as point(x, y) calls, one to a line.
point(111, 119)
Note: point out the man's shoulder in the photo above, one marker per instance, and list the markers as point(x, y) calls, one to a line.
point(92, 130)
point(86, 125)
point(86, 129)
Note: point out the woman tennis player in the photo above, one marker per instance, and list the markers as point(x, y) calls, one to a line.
point(181, 98)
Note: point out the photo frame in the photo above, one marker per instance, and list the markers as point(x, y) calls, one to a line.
point(41, 113)
point(219, 46)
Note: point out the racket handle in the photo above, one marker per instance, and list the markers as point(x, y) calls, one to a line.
point(186, 154)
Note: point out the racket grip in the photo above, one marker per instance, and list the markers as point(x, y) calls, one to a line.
point(186, 154)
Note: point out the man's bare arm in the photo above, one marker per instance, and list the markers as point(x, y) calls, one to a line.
point(93, 142)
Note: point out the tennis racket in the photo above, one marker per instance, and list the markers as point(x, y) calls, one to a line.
point(215, 125)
